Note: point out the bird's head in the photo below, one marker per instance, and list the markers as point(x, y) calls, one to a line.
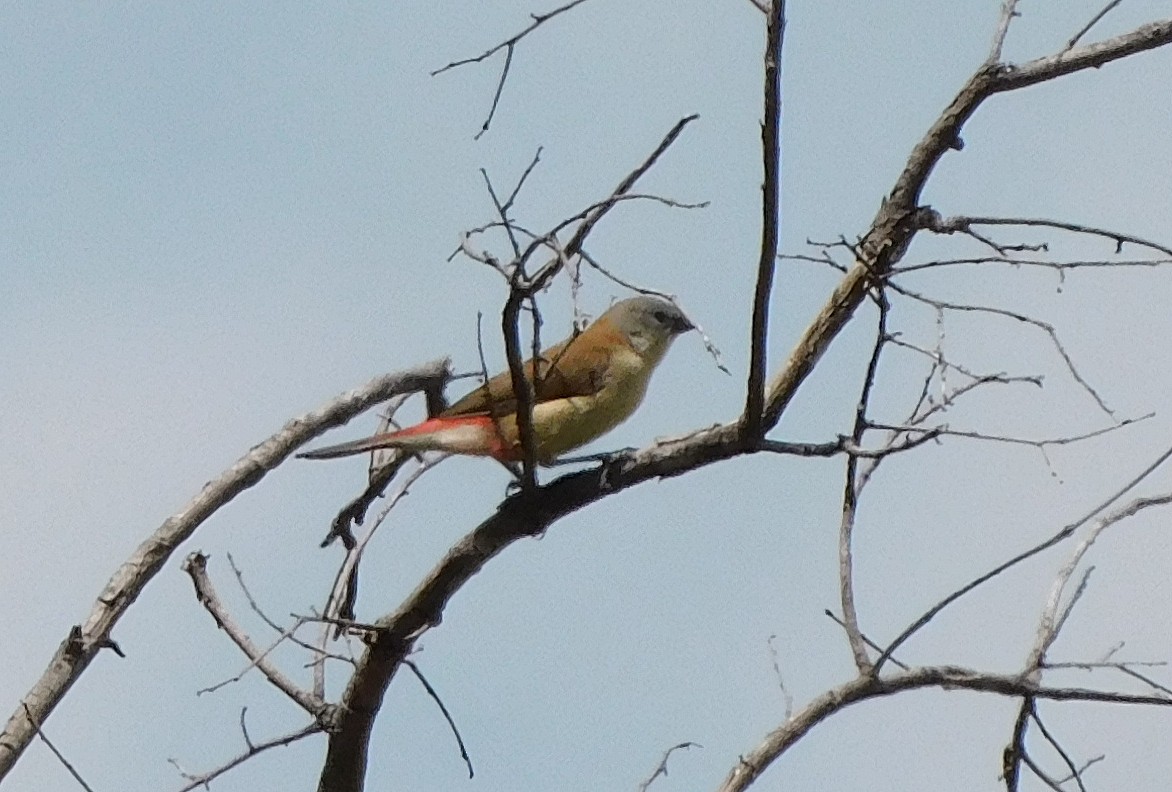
point(650, 323)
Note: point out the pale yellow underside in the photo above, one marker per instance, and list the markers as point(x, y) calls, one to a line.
point(562, 425)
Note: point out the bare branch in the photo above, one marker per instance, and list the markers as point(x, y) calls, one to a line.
point(770, 221)
point(251, 750)
point(1075, 773)
point(1051, 621)
point(1045, 327)
point(1060, 266)
point(786, 696)
point(283, 633)
point(523, 388)
point(750, 765)
point(830, 614)
point(447, 715)
point(1008, 12)
point(508, 45)
point(943, 431)
point(1058, 537)
point(1094, 21)
point(852, 489)
point(961, 224)
point(661, 770)
point(343, 594)
point(196, 567)
point(591, 217)
point(502, 211)
point(61, 757)
point(74, 655)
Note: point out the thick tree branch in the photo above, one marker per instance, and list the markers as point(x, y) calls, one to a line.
point(770, 220)
point(82, 645)
point(900, 217)
point(531, 513)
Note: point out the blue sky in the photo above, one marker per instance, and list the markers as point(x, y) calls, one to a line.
point(217, 218)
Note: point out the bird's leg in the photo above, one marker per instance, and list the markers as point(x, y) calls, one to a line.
point(611, 463)
point(602, 456)
point(514, 486)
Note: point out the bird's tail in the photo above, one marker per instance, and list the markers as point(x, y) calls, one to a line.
point(476, 435)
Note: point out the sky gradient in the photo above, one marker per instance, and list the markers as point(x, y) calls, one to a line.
point(218, 218)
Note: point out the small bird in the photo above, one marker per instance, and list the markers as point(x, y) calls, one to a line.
point(585, 386)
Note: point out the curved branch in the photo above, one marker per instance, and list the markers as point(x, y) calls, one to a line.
point(83, 643)
point(900, 217)
point(531, 513)
point(752, 764)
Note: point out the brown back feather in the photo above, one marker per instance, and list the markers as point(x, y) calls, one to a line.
point(575, 367)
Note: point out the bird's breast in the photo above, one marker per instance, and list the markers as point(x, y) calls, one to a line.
point(566, 424)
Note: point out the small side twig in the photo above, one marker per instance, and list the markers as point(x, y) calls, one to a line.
point(963, 224)
point(447, 715)
point(60, 756)
point(509, 46)
point(1087, 27)
point(1008, 12)
point(251, 750)
point(661, 770)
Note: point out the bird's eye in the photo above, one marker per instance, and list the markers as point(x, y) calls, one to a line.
point(660, 316)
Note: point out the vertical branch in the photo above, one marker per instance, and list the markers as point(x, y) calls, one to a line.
point(1008, 12)
point(522, 387)
point(751, 422)
point(850, 500)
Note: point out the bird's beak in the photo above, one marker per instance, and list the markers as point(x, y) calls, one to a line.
point(681, 325)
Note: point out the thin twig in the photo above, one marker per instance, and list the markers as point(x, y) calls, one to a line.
point(508, 45)
point(786, 696)
point(251, 750)
point(60, 756)
point(1094, 21)
point(1058, 537)
point(962, 224)
point(1008, 12)
point(195, 566)
point(447, 715)
point(830, 614)
point(850, 498)
point(1045, 327)
point(1075, 775)
point(661, 770)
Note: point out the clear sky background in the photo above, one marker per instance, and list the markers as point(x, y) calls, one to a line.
point(215, 218)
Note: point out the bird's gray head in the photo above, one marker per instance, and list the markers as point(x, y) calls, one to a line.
point(649, 322)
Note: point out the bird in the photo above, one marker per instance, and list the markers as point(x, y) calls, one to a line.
point(585, 386)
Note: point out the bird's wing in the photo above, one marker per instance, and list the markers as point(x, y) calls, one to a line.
point(576, 367)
